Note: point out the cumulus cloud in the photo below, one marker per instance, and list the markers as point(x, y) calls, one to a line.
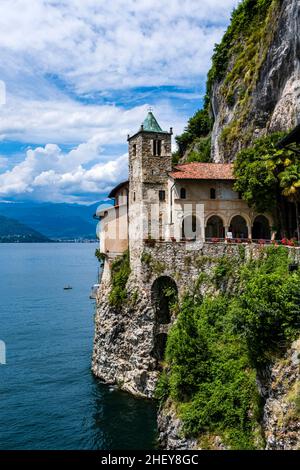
point(84, 172)
point(80, 74)
point(66, 121)
point(98, 45)
point(47, 173)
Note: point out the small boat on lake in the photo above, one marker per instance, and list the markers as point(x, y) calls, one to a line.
point(68, 287)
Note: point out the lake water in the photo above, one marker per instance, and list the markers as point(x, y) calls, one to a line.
point(49, 398)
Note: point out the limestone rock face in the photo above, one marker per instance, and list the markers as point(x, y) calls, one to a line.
point(126, 342)
point(171, 436)
point(281, 418)
point(123, 344)
point(274, 103)
point(280, 389)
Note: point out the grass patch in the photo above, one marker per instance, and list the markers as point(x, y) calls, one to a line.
point(120, 271)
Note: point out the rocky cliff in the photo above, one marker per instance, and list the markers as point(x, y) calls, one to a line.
point(124, 341)
point(129, 340)
point(259, 90)
point(279, 386)
point(253, 88)
point(281, 391)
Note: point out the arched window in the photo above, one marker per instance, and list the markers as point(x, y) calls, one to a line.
point(212, 193)
point(238, 227)
point(182, 193)
point(215, 227)
point(261, 228)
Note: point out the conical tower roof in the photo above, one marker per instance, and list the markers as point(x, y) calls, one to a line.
point(150, 124)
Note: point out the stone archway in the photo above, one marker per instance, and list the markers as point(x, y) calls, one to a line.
point(215, 227)
point(261, 228)
point(190, 228)
point(164, 294)
point(238, 227)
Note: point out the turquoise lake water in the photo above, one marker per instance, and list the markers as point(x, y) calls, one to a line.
point(49, 398)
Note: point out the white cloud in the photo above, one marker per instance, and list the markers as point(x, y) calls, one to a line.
point(65, 65)
point(47, 173)
point(69, 122)
point(98, 45)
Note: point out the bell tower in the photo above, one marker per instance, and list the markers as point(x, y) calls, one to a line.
point(150, 161)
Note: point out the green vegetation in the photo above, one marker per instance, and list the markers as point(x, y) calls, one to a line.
point(100, 256)
point(146, 258)
point(267, 310)
point(269, 177)
point(196, 133)
point(236, 62)
point(13, 231)
point(247, 22)
point(201, 150)
point(120, 271)
point(134, 298)
point(155, 266)
point(223, 270)
point(217, 345)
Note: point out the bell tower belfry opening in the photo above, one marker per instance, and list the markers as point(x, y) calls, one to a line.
point(150, 161)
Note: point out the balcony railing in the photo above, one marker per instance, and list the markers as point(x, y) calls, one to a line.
point(284, 242)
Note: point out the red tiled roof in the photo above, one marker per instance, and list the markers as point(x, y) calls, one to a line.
point(116, 188)
point(203, 171)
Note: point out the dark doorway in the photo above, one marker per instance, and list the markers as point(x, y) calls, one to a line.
point(239, 227)
point(261, 228)
point(164, 293)
point(160, 343)
point(215, 227)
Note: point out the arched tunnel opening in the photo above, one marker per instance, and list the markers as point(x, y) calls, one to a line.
point(164, 295)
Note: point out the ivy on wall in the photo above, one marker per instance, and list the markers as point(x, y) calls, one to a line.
point(120, 271)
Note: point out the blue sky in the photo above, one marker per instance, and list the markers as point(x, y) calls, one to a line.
point(80, 75)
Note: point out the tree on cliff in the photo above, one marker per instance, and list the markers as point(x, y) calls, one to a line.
point(198, 128)
point(268, 178)
point(290, 182)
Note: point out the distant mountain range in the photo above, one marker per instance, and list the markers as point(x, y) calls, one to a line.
point(56, 221)
point(12, 231)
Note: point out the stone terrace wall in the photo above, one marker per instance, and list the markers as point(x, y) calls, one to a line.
point(185, 261)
